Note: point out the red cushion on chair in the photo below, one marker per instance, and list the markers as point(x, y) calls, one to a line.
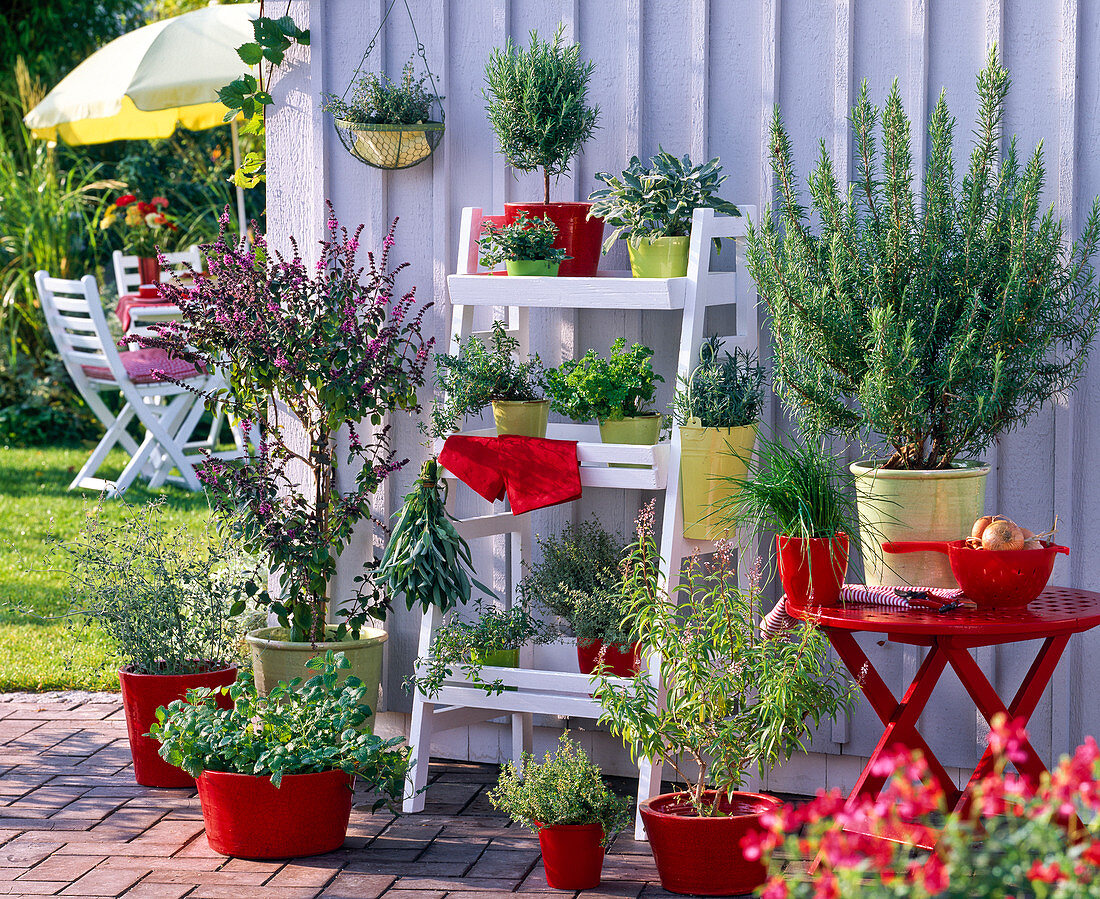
point(140, 365)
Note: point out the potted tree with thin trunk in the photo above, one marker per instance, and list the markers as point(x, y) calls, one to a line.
point(933, 317)
point(537, 101)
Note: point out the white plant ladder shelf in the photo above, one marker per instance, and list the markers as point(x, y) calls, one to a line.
point(460, 703)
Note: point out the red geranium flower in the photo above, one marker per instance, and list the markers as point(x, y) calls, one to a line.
point(125, 200)
point(146, 208)
point(159, 201)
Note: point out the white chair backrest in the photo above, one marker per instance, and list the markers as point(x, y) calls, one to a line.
point(127, 279)
point(78, 325)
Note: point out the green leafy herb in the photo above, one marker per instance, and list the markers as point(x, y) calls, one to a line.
point(604, 389)
point(377, 100)
point(525, 239)
point(721, 392)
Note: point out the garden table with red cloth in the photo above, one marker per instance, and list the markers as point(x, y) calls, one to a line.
point(1054, 617)
point(128, 302)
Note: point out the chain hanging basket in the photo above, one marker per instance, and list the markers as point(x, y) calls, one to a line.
point(389, 146)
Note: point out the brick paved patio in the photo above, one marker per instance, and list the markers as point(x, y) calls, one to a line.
point(74, 823)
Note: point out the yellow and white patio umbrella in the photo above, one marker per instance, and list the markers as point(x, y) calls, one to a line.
point(144, 84)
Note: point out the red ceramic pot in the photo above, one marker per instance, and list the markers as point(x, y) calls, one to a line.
point(149, 269)
point(703, 856)
point(580, 236)
point(572, 855)
point(615, 661)
point(247, 817)
point(142, 695)
point(812, 571)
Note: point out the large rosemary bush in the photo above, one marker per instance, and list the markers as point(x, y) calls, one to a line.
point(934, 323)
point(308, 350)
point(537, 101)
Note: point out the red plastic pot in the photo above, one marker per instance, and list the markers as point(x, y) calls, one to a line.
point(580, 236)
point(615, 661)
point(703, 856)
point(572, 855)
point(247, 817)
point(812, 570)
point(149, 269)
point(142, 695)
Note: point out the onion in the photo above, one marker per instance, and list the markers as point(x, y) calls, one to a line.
point(980, 525)
point(1002, 534)
point(1030, 540)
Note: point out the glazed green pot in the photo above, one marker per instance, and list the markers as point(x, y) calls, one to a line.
point(528, 268)
point(637, 430)
point(498, 658)
point(915, 505)
point(521, 418)
point(274, 659)
point(708, 457)
point(664, 257)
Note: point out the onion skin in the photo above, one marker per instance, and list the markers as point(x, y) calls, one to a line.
point(1030, 540)
point(980, 525)
point(1002, 534)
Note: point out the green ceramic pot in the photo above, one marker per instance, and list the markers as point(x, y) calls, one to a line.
point(498, 658)
point(527, 268)
point(637, 430)
point(521, 418)
point(664, 257)
point(915, 505)
point(708, 458)
point(274, 658)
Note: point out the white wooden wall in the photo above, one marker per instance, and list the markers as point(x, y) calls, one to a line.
point(701, 77)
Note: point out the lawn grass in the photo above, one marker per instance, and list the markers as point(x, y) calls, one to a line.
point(35, 502)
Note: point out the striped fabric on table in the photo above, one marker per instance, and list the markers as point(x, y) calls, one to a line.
point(778, 620)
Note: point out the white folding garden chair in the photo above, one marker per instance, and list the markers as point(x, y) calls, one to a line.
point(127, 279)
point(168, 412)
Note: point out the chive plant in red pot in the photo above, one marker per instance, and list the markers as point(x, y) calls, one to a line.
point(275, 773)
point(796, 490)
point(162, 597)
point(734, 701)
point(537, 101)
point(564, 798)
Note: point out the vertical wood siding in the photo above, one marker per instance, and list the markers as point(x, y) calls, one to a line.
point(701, 77)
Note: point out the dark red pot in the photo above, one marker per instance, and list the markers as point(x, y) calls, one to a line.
point(572, 855)
point(617, 662)
point(149, 269)
point(142, 695)
point(247, 817)
point(812, 571)
point(580, 236)
point(703, 856)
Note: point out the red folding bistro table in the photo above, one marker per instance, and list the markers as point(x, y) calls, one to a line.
point(1054, 617)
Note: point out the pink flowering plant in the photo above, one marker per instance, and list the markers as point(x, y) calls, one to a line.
point(1017, 839)
point(309, 352)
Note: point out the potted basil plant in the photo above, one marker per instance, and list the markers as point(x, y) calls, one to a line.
point(652, 208)
point(526, 246)
point(275, 773)
point(565, 799)
point(617, 391)
point(163, 598)
point(732, 701)
point(716, 409)
point(480, 375)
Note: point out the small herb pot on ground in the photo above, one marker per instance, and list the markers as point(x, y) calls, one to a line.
point(246, 816)
point(142, 695)
point(709, 458)
point(580, 236)
point(660, 257)
point(523, 418)
point(275, 659)
point(812, 570)
point(572, 855)
point(617, 662)
point(898, 505)
point(702, 855)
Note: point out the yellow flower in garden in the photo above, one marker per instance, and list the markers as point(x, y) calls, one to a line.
point(133, 216)
point(106, 222)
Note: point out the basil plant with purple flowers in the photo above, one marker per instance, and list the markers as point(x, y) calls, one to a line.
point(308, 351)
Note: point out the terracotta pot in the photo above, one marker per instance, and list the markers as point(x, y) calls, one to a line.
point(572, 855)
point(580, 236)
point(703, 856)
point(149, 269)
point(617, 662)
point(522, 418)
point(812, 571)
point(248, 817)
point(142, 695)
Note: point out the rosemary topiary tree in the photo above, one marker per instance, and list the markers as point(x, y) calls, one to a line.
point(936, 322)
point(537, 101)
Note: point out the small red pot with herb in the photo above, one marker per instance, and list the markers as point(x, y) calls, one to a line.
point(565, 799)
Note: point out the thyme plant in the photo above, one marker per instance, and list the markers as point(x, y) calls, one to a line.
point(935, 316)
point(525, 239)
point(734, 700)
point(609, 389)
point(537, 102)
point(721, 392)
point(378, 100)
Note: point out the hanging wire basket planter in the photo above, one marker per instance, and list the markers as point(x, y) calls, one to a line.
point(389, 146)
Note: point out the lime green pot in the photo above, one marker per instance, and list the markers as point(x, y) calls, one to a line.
point(915, 505)
point(531, 268)
point(664, 257)
point(637, 430)
point(521, 418)
point(274, 659)
point(708, 457)
point(498, 658)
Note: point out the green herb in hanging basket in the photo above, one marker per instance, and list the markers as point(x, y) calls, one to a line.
point(426, 559)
